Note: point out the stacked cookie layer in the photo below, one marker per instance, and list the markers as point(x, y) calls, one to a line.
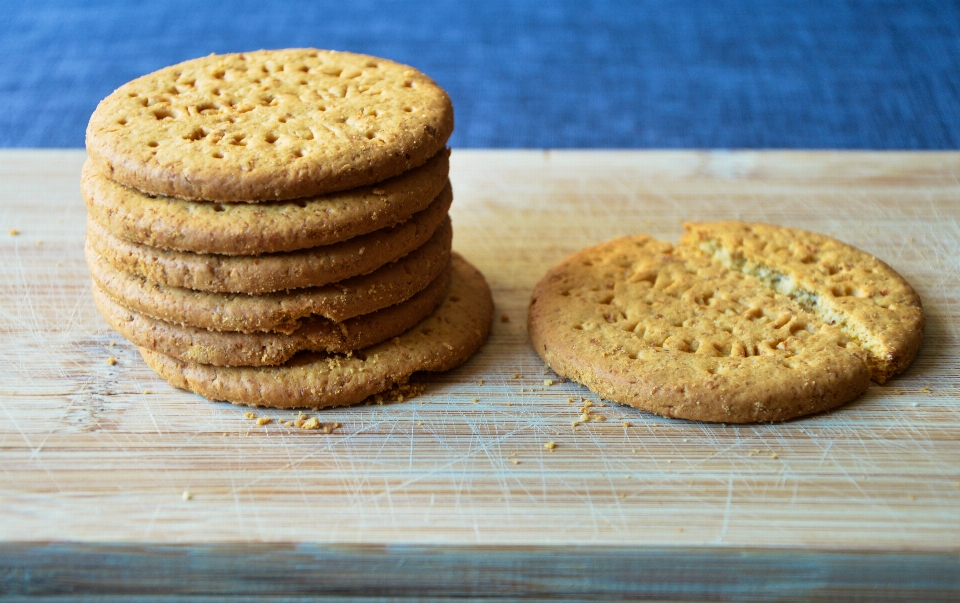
point(271, 228)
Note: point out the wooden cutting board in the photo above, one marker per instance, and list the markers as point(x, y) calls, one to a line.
point(109, 473)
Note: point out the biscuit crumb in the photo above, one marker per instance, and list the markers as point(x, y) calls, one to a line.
point(420, 423)
point(475, 400)
point(515, 462)
point(480, 382)
point(627, 424)
point(925, 390)
point(569, 400)
point(147, 392)
point(911, 497)
point(548, 382)
point(517, 375)
point(312, 423)
point(249, 415)
point(13, 232)
point(111, 361)
point(550, 446)
point(264, 421)
point(186, 495)
point(774, 456)
point(679, 529)
point(504, 318)
point(113, 344)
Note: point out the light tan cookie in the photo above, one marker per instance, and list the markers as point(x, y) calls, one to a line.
point(284, 311)
point(443, 340)
point(275, 271)
point(855, 292)
point(269, 227)
point(671, 331)
point(267, 125)
point(264, 349)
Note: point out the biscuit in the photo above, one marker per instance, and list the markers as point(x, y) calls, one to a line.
point(276, 271)
point(669, 330)
point(443, 340)
point(268, 227)
point(268, 125)
point(283, 311)
point(855, 292)
point(263, 349)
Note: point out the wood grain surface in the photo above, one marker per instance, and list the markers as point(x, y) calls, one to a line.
point(94, 453)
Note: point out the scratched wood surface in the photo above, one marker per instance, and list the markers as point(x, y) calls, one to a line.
point(97, 453)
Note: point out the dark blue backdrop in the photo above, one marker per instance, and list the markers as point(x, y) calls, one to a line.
point(545, 73)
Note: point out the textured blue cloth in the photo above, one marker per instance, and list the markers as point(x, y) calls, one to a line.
point(544, 73)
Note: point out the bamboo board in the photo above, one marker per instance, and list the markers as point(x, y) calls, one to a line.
point(93, 453)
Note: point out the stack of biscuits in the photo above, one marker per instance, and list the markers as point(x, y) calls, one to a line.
point(271, 228)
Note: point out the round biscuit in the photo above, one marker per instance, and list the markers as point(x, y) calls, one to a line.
point(268, 125)
point(271, 272)
point(268, 227)
point(668, 330)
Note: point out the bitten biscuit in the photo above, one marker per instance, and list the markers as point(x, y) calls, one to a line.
point(318, 334)
point(670, 330)
point(443, 340)
point(281, 311)
point(268, 125)
point(277, 271)
point(268, 227)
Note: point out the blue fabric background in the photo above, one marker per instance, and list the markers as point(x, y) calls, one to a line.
point(547, 73)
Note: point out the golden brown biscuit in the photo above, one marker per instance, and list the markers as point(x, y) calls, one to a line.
point(282, 311)
point(277, 271)
point(674, 332)
point(443, 340)
point(268, 125)
point(269, 227)
point(318, 334)
point(852, 290)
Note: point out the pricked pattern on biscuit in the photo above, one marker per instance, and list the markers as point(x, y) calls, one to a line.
point(440, 342)
point(265, 349)
point(283, 311)
point(857, 293)
point(671, 331)
point(268, 227)
point(267, 273)
point(267, 125)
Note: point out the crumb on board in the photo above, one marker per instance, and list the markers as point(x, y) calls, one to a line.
point(480, 382)
point(627, 424)
point(111, 361)
point(475, 400)
point(186, 495)
point(548, 382)
point(249, 415)
point(551, 446)
point(399, 392)
point(515, 462)
point(504, 318)
point(264, 420)
point(13, 232)
point(925, 390)
point(517, 376)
